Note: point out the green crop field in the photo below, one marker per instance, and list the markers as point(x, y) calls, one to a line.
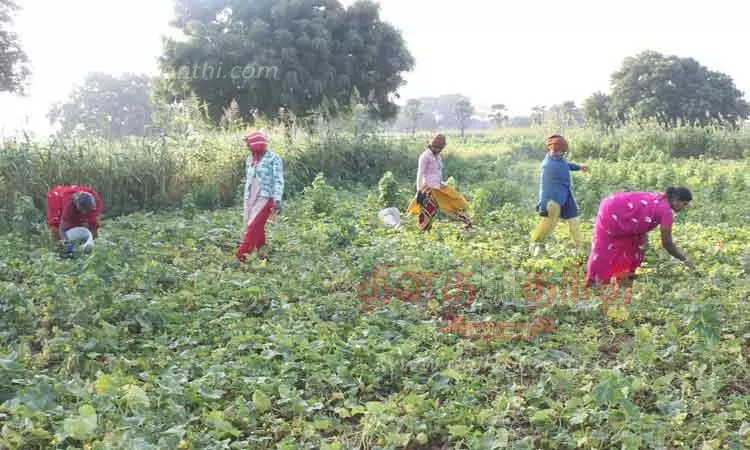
point(338, 341)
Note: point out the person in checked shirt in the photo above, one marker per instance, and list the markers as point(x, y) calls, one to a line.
point(264, 188)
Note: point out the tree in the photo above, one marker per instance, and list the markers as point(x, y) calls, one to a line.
point(303, 54)
point(464, 111)
point(14, 70)
point(538, 114)
point(596, 110)
point(415, 116)
point(565, 115)
point(444, 109)
point(107, 106)
point(670, 90)
point(498, 116)
point(412, 113)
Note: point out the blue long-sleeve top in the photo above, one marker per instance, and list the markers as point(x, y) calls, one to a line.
point(555, 182)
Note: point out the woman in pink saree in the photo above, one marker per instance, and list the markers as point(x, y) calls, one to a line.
point(620, 235)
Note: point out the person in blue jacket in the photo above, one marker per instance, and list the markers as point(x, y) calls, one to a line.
point(556, 199)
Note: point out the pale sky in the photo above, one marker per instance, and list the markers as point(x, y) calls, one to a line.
point(520, 53)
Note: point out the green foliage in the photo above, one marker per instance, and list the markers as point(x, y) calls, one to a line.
point(14, 63)
point(433, 113)
point(302, 54)
point(412, 114)
point(148, 343)
point(670, 90)
point(107, 106)
point(492, 195)
point(319, 197)
point(387, 190)
point(464, 110)
point(563, 116)
point(597, 111)
point(156, 173)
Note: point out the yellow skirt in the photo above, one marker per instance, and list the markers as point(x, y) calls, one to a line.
point(446, 199)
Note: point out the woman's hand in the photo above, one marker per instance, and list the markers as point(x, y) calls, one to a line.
point(584, 168)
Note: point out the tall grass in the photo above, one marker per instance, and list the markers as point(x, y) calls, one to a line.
point(621, 143)
point(157, 173)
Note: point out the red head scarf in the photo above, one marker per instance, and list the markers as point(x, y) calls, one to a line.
point(556, 142)
point(257, 142)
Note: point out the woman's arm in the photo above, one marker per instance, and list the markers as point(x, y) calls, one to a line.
point(248, 181)
point(574, 167)
point(670, 247)
point(278, 185)
point(421, 171)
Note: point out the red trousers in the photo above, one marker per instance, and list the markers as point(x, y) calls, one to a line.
point(255, 235)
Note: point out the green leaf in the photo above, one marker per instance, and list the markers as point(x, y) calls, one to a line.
point(459, 431)
point(83, 426)
point(331, 446)
point(261, 401)
point(452, 373)
point(579, 417)
point(631, 411)
point(322, 424)
point(135, 397)
point(606, 392)
point(543, 415)
point(671, 408)
point(104, 385)
point(502, 438)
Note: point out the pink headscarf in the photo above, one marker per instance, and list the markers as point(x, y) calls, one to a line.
point(257, 142)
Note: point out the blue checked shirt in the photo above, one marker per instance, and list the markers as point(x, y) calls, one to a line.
point(270, 173)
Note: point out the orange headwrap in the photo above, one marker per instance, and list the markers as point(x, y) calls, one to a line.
point(556, 142)
point(257, 142)
point(438, 141)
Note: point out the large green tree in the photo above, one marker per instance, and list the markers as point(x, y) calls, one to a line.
point(671, 89)
point(412, 114)
point(564, 116)
point(464, 111)
point(14, 70)
point(596, 110)
point(298, 53)
point(498, 115)
point(108, 106)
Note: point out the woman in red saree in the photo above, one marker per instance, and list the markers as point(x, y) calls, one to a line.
point(620, 234)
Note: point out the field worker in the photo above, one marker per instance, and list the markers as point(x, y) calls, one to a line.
point(264, 188)
point(433, 194)
point(556, 199)
point(620, 235)
point(69, 207)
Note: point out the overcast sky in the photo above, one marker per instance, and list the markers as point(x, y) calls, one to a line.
point(521, 53)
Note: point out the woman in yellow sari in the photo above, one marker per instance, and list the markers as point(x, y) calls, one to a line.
point(433, 194)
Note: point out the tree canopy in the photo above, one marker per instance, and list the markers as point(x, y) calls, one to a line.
point(464, 110)
point(596, 110)
point(14, 70)
point(671, 89)
point(302, 54)
point(108, 106)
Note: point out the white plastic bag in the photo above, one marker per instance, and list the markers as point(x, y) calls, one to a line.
point(81, 234)
point(390, 217)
